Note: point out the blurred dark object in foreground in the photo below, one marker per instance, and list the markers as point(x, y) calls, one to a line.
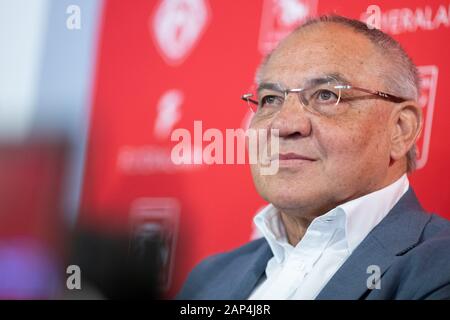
point(38, 244)
point(32, 176)
point(116, 266)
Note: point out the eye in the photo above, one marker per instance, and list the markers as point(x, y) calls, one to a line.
point(271, 101)
point(326, 96)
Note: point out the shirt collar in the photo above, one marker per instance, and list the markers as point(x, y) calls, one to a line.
point(270, 226)
point(364, 213)
point(359, 217)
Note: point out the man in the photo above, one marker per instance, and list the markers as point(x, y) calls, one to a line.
point(342, 222)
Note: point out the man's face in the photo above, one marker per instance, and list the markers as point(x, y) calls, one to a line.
point(349, 153)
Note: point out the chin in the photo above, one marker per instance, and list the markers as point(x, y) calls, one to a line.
point(289, 198)
point(292, 190)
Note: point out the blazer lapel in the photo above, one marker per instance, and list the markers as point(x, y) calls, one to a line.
point(396, 234)
point(248, 274)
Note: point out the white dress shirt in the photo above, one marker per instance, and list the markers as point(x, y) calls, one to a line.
point(301, 272)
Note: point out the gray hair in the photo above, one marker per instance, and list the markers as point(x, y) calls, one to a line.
point(403, 80)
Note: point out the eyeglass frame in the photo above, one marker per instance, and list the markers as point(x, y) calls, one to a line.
point(384, 95)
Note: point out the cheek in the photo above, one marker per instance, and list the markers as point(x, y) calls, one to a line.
point(354, 146)
point(257, 122)
point(260, 182)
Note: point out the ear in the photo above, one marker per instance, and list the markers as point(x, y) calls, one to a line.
point(407, 117)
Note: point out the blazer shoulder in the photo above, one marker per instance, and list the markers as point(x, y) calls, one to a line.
point(426, 268)
point(437, 227)
point(434, 242)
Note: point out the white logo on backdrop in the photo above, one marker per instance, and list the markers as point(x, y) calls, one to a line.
point(279, 17)
point(429, 77)
point(177, 26)
point(404, 20)
point(168, 113)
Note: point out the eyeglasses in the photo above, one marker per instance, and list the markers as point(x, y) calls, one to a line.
point(327, 99)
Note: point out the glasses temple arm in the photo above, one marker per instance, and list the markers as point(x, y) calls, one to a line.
point(381, 94)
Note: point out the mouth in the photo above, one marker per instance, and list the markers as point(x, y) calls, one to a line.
point(291, 159)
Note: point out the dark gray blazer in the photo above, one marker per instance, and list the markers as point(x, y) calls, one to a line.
point(411, 247)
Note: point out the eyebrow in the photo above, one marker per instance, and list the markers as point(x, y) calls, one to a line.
point(341, 79)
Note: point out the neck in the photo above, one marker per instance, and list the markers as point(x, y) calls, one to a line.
point(295, 227)
point(296, 221)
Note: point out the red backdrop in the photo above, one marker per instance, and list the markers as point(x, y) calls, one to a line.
point(164, 64)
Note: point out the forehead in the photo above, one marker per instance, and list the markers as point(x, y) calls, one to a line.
point(323, 49)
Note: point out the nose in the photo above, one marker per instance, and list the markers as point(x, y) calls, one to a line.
point(292, 121)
